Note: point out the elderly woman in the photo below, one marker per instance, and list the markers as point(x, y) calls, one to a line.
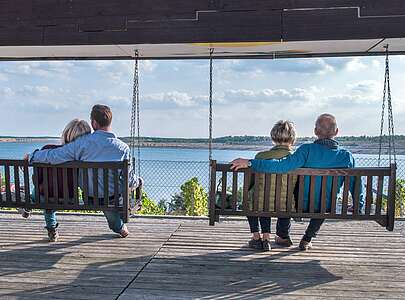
point(283, 136)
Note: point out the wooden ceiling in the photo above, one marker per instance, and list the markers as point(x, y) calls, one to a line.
point(114, 29)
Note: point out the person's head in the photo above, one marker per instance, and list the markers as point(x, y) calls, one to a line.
point(101, 117)
point(75, 129)
point(283, 133)
point(326, 127)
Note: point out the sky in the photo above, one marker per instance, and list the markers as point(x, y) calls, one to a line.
point(40, 98)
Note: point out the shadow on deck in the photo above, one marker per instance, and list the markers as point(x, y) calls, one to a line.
point(172, 259)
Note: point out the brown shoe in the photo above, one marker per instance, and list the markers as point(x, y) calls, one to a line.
point(304, 245)
point(53, 235)
point(287, 242)
point(124, 231)
point(256, 244)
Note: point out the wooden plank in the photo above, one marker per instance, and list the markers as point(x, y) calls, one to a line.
point(95, 188)
point(7, 182)
point(27, 188)
point(85, 172)
point(223, 190)
point(256, 192)
point(334, 195)
point(125, 192)
point(345, 199)
point(356, 196)
point(301, 191)
point(116, 188)
point(54, 182)
point(290, 192)
point(234, 190)
point(65, 187)
point(212, 197)
point(75, 172)
point(246, 183)
point(391, 198)
point(36, 187)
point(380, 186)
point(17, 185)
point(277, 198)
point(369, 195)
point(106, 184)
point(312, 194)
point(323, 202)
point(267, 189)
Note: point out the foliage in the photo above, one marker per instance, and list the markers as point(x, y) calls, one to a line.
point(176, 205)
point(400, 198)
point(195, 198)
point(149, 207)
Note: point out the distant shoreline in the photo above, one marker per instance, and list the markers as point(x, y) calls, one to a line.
point(356, 148)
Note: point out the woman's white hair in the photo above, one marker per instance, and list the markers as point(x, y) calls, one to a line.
point(283, 132)
point(74, 129)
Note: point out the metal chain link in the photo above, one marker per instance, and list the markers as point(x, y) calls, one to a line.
point(387, 98)
point(135, 121)
point(210, 106)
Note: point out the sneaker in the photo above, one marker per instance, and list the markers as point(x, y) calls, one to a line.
point(287, 242)
point(24, 213)
point(53, 234)
point(256, 244)
point(304, 245)
point(124, 231)
point(266, 245)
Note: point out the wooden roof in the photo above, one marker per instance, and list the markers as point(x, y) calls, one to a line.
point(87, 29)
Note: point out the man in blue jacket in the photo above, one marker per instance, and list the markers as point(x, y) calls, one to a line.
point(324, 153)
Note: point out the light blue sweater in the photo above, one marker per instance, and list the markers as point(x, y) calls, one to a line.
point(313, 155)
point(99, 146)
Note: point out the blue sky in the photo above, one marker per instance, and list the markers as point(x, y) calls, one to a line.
point(39, 98)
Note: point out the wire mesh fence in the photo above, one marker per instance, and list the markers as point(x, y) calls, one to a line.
point(163, 179)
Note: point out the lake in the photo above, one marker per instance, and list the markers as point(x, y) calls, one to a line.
point(166, 169)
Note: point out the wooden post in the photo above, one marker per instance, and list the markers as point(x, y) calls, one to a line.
point(213, 166)
point(391, 198)
point(125, 192)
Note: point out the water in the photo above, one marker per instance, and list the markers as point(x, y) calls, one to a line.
point(166, 169)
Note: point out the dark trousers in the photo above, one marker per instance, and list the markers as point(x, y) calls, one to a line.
point(284, 224)
point(264, 224)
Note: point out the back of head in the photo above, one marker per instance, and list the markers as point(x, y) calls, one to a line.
point(283, 132)
point(75, 129)
point(326, 126)
point(102, 115)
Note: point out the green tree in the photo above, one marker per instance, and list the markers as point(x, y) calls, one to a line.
point(400, 198)
point(195, 198)
point(149, 207)
point(176, 205)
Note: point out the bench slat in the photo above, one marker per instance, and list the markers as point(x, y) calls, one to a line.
point(380, 186)
point(17, 185)
point(76, 187)
point(267, 189)
point(7, 182)
point(56, 195)
point(223, 190)
point(300, 193)
point(290, 192)
point(105, 184)
point(65, 187)
point(246, 183)
point(323, 194)
point(27, 188)
point(234, 190)
point(85, 172)
point(95, 188)
point(116, 188)
point(345, 199)
point(277, 198)
point(356, 196)
point(45, 185)
point(36, 185)
point(334, 195)
point(256, 193)
point(369, 195)
point(312, 194)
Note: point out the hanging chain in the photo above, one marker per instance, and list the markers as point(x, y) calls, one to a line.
point(210, 107)
point(387, 99)
point(135, 122)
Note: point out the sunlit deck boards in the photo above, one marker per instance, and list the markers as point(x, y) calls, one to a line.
point(173, 259)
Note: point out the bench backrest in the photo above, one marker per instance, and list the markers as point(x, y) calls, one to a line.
point(316, 185)
point(83, 176)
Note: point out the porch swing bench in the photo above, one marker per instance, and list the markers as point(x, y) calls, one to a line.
point(376, 207)
point(21, 190)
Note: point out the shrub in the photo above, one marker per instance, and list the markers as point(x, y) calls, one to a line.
point(149, 207)
point(176, 205)
point(400, 198)
point(195, 198)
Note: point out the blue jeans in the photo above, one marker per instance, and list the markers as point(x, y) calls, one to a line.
point(114, 219)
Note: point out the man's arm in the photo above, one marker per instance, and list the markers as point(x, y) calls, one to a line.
point(68, 152)
point(289, 163)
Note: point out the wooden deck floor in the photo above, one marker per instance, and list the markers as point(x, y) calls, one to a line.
point(176, 259)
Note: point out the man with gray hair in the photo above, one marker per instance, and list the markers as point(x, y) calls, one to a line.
point(323, 153)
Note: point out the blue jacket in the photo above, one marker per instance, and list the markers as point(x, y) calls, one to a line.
point(313, 155)
point(99, 146)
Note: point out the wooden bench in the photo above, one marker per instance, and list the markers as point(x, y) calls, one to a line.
point(20, 178)
point(378, 183)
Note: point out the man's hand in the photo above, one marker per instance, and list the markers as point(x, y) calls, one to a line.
point(26, 157)
point(239, 163)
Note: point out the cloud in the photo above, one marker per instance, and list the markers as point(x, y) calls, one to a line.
point(355, 65)
point(173, 99)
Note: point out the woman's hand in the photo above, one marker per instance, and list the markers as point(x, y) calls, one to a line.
point(26, 157)
point(239, 163)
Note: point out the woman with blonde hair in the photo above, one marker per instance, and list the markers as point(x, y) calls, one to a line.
point(73, 130)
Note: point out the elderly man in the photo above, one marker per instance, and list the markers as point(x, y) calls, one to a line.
point(324, 153)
